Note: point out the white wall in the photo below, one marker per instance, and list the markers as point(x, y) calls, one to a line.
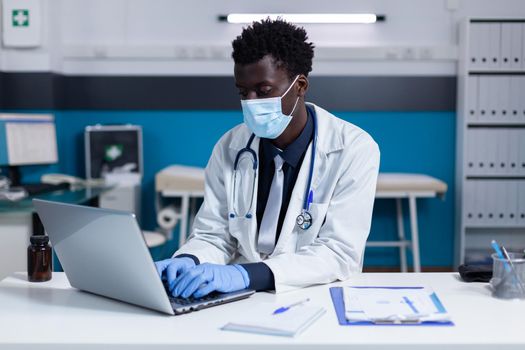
point(184, 37)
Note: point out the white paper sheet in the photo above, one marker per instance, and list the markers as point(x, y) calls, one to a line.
point(261, 320)
point(373, 304)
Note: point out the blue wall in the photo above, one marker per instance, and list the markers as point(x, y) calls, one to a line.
point(409, 142)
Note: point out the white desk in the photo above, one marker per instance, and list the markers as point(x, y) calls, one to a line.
point(52, 315)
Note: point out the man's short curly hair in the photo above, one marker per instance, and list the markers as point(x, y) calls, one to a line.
point(285, 42)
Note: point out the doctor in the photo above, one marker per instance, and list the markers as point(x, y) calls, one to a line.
point(289, 193)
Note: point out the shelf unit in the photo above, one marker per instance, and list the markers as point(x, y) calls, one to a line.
point(490, 147)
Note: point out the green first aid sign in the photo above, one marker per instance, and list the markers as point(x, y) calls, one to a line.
point(112, 152)
point(20, 18)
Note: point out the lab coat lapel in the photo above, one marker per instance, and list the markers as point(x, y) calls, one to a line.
point(251, 233)
point(327, 142)
point(294, 206)
point(245, 230)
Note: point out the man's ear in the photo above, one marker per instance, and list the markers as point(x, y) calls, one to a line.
point(302, 84)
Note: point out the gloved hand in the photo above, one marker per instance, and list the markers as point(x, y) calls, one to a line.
point(173, 268)
point(206, 278)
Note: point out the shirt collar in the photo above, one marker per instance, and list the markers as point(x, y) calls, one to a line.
point(293, 152)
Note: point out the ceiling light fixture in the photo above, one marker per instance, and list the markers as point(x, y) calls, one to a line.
point(333, 18)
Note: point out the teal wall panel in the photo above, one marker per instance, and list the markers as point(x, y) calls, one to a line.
point(422, 142)
point(3, 144)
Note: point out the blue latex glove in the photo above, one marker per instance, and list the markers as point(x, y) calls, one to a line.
point(206, 278)
point(173, 268)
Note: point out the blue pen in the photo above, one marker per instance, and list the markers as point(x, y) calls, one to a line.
point(310, 199)
point(499, 253)
point(286, 308)
point(410, 304)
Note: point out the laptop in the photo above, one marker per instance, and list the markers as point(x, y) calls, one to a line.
point(102, 251)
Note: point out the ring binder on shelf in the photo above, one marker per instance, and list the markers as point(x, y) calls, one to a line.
point(491, 133)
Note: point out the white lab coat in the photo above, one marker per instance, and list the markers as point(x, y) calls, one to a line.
point(344, 184)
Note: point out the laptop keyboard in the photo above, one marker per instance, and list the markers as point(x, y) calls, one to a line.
point(185, 305)
point(192, 300)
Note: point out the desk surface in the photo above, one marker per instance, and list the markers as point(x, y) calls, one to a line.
point(55, 315)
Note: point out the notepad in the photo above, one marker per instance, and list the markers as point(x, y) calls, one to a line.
point(384, 305)
point(261, 320)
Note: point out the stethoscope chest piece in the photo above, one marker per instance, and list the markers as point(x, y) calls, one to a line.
point(304, 220)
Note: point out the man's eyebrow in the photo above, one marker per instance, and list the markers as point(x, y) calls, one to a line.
point(267, 82)
point(264, 82)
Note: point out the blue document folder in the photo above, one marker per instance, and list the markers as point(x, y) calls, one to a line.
point(339, 305)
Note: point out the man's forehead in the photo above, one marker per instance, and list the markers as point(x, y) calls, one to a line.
point(266, 69)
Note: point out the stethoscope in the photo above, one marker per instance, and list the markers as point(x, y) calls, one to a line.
point(304, 219)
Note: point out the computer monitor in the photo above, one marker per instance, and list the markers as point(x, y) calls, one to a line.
point(27, 139)
point(113, 148)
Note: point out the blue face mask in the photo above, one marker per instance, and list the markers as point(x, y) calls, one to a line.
point(264, 116)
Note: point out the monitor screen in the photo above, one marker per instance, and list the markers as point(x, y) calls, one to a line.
point(27, 139)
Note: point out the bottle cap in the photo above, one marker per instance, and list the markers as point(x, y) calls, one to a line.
point(39, 239)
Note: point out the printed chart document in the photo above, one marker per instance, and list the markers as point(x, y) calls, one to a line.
point(261, 320)
point(393, 305)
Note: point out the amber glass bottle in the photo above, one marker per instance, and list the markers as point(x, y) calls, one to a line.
point(39, 259)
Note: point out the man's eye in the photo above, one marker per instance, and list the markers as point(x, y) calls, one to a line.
point(243, 93)
point(264, 91)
